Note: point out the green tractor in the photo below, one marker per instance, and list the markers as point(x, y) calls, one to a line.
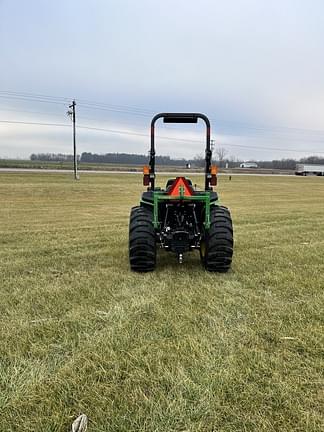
point(180, 218)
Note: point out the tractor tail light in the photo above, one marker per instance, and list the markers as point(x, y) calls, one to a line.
point(146, 175)
point(213, 172)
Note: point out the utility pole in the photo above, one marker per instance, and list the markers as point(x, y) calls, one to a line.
point(212, 145)
point(75, 156)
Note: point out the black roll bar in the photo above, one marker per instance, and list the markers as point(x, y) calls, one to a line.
point(181, 118)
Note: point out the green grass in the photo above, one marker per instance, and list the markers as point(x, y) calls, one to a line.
point(65, 165)
point(179, 349)
point(36, 164)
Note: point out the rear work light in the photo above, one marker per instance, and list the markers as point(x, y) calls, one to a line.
point(213, 172)
point(146, 175)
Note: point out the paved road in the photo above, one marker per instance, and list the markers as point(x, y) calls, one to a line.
point(60, 171)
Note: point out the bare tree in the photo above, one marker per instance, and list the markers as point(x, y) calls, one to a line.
point(221, 152)
point(199, 160)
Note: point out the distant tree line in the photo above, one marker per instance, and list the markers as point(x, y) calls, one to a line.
point(198, 161)
point(290, 163)
point(52, 157)
point(283, 164)
point(126, 158)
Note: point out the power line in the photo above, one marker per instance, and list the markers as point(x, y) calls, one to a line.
point(66, 99)
point(48, 113)
point(273, 135)
point(270, 132)
point(284, 129)
point(59, 99)
point(122, 108)
point(35, 123)
point(263, 130)
point(33, 95)
point(21, 98)
point(142, 112)
point(197, 141)
point(132, 133)
point(120, 111)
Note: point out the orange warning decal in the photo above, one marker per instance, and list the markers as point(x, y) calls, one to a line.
point(180, 187)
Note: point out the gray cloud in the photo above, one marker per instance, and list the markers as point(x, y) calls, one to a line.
point(245, 63)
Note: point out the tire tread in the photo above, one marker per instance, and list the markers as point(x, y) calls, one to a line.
point(142, 240)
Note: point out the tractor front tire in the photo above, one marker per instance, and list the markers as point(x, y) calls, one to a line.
point(142, 241)
point(216, 248)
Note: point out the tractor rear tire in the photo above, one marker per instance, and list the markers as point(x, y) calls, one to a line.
point(216, 248)
point(142, 241)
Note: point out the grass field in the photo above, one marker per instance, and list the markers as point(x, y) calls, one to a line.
point(29, 164)
point(87, 166)
point(179, 349)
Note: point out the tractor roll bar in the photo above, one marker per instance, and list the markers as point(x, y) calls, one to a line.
point(181, 118)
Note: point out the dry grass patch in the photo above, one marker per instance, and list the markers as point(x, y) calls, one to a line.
point(179, 349)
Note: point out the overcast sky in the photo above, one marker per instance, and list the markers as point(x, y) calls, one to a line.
point(255, 67)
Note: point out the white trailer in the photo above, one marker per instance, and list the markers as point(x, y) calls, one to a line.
point(248, 165)
point(309, 169)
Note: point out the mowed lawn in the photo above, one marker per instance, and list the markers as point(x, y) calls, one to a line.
point(179, 349)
